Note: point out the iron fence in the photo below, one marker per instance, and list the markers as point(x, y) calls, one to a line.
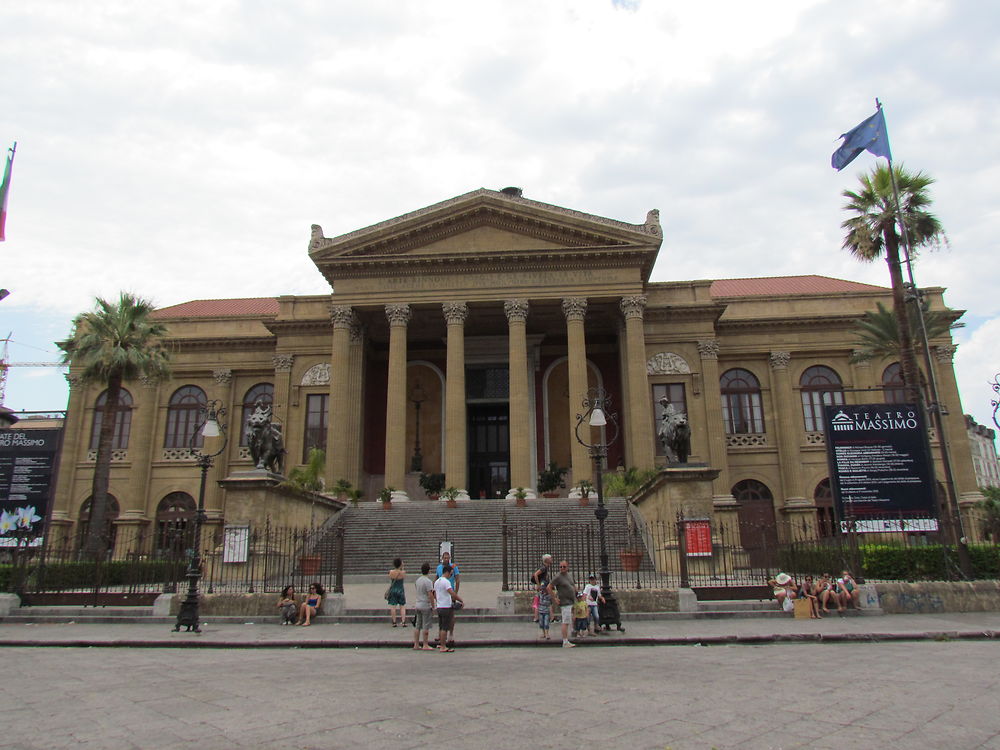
point(733, 554)
point(140, 562)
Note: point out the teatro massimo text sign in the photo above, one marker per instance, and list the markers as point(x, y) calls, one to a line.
point(879, 468)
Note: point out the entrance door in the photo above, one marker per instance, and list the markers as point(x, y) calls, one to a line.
point(489, 450)
point(758, 531)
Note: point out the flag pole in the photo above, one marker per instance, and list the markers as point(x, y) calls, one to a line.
point(934, 407)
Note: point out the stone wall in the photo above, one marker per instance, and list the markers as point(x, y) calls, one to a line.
point(644, 600)
point(933, 597)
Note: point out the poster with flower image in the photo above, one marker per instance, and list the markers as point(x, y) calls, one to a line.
point(27, 474)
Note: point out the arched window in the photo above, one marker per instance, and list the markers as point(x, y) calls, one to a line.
point(175, 516)
point(820, 385)
point(183, 417)
point(823, 499)
point(741, 408)
point(123, 421)
point(892, 384)
point(315, 428)
point(260, 392)
point(83, 524)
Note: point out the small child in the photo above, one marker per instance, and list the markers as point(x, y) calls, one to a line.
point(592, 595)
point(544, 610)
point(580, 615)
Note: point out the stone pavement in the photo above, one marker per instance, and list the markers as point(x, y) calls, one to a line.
point(832, 629)
point(925, 694)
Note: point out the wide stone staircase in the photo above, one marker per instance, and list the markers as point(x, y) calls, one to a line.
point(414, 530)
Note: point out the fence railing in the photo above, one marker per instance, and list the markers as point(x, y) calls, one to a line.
point(715, 553)
point(138, 561)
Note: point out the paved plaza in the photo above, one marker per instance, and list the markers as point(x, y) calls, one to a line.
point(935, 692)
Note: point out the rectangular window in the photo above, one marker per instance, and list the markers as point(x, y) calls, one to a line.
point(674, 393)
point(315, 433)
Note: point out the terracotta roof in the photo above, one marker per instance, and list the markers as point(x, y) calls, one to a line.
point(780, 285)
point(221, 308)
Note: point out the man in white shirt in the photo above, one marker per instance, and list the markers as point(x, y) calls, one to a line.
point(445, 596)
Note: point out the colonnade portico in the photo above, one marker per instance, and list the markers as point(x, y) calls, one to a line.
point(520, 358)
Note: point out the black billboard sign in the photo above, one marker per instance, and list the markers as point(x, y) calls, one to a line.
point(27, 471)
point(879, 464)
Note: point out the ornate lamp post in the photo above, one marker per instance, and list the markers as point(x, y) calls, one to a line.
point(417, 396)
point(209, 428)
point(596, 415)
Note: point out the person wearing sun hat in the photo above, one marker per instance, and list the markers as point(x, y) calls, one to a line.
point(783, 588)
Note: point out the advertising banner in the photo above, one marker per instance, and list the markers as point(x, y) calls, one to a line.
point(878, 463)
point(698, 537)
point(27, 473)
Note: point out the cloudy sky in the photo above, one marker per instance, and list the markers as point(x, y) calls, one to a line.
point(181, 150)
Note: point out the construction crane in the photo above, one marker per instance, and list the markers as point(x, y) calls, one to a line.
point(5, 365)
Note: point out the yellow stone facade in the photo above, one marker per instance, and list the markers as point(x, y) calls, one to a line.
point(505, 310)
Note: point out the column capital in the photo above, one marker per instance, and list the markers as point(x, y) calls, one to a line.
point(222, 376)
point(516, 310)
point(455, 313)
point(342, 316)
point(780, 360)
point(633, 307)
point(282, 362)
point(398, 315)
point(860, 358)
point(149, 381)
point(945, 354)
point(574, 308)
point(75, 381)
point(708, 348)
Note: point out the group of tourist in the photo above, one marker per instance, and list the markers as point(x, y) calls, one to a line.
point(821, 592)
point(439, 596)
point(293, 613)
point(578, 607)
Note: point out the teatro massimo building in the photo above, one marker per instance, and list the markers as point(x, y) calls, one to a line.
point(490, 315)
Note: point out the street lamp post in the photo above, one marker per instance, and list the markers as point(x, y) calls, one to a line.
point(211, 427)
point(596, 415)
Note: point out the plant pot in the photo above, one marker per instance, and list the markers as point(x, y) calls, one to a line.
point(630, 560)
point(451, 503)
point(387, 505)
point(310, 564)
point(434, 496)
point(520, 501)
point(584, 501)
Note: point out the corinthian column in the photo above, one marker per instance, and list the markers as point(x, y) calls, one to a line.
point(788, 407)
point(640, 452)
point(708, 349)
point(520, 424)
point(575, 310)
point(338, 407)
point(455, 467)
point(395, 403)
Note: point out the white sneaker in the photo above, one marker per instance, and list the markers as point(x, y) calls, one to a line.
point(567, 644)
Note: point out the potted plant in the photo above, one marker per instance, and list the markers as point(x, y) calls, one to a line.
point(450, 496)
point(309, 565)
point(341, 488)
point(585, 489)
point(385, 495)
point(354, 495)
point(551, 480)
point(432, 484)
point(631, 559)
point(520, 496)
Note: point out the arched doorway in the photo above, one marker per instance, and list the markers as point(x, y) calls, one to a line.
point(758, 531)
point(110, 530)
point(175, 516)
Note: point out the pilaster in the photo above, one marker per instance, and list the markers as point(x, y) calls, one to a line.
point(141, 445)
point(788, 408)
point(708, 350)
point(337, 466)
point(639, 448)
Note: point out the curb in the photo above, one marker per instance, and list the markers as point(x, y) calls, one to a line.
point(716, 640)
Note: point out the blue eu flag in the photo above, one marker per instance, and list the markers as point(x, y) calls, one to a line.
point(870, 135)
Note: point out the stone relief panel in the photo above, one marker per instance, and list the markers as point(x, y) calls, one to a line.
point(317, 375)
point(667, 363)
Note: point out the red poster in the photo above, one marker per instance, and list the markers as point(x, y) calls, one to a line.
point(698, 535)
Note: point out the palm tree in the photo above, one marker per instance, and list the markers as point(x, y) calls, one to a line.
point(872, 233)
point(112, 343)
point(878, 332)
